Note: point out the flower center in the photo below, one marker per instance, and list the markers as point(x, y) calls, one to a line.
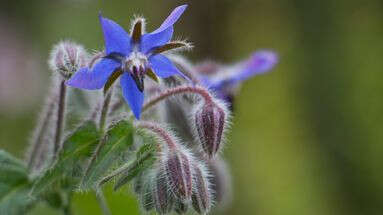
point(136, 64)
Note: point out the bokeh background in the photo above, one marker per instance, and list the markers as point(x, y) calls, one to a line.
point(306, 138)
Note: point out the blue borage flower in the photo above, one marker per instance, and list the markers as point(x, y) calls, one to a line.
point(223, 80)
point(132, 57)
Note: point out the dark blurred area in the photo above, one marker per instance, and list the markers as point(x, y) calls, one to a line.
point(306, 138)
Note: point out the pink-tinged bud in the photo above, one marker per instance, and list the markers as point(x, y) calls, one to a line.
point(201, 197)
point(210, 123)
point(67, 57)
point(178, 172)
point(163, 199)
point(220, 182)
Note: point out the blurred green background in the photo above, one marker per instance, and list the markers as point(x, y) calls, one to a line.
point(306, 138)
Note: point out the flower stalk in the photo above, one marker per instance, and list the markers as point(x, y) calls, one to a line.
point(158, 130)
point(179, 90)
point(38, 140)
point(60, 117)
point(105, 109)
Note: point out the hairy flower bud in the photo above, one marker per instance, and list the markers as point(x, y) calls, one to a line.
point(201, 197)
point(163, 199)
point(220, 182)
point(67, 57)
point(147, 197)
point(178, 172)
point(210, 123)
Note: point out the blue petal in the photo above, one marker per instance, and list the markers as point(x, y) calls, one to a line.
point(164, 33)
point(94, 78)
point(163, 67)
point(115, 37)
point(260, 62)
point(149, 41)
point(172, 18)
point(132, 95)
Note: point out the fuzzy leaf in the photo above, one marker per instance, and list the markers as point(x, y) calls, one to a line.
point(12, 172)
point(76, 148)
point(17, 200)
point(144, 160)
point(117, 140)
point(14, 185)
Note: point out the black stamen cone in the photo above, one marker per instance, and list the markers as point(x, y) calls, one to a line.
point(138, 78)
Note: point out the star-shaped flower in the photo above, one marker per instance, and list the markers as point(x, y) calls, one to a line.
point(132, 57)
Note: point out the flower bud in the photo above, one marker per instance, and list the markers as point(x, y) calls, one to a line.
point(201, 197)
point(210, 123)
point(67, 57)
point(178, 172)
point(220, 182)
point(138, 183)
point(163, 199)
point(147, 198)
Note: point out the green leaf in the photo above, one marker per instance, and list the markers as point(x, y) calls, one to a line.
point(76, 149)
point(14, 185)
point(12, 172)
point(17, 200)
point(141, 164)
point(145, 158)
point(110, 149)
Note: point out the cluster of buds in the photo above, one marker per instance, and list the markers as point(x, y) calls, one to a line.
point(177, 181)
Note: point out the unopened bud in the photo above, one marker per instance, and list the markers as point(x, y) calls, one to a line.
point(163, 199)
point(147, 198)
point(138, 183)
point(201, 197)
point(178, 172)
point(210, 123)
point(220, 182)
point(67, 57)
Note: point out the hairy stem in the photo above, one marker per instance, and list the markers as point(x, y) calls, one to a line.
point(178, 90)
point(102, 124)
point(159, 131)
point(37, 142)
point(60, 117)
point(123, 168)
point(102, 202)
point(67, 207)
point(104, 110)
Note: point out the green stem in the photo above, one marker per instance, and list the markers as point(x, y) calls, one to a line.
point(124, 168)
point(102, 202)
point(37, 144)
point(102, 124)
point(105, 109)
point(67, 207)
point(178, 90)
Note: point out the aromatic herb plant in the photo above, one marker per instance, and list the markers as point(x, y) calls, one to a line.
point(161, 128)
